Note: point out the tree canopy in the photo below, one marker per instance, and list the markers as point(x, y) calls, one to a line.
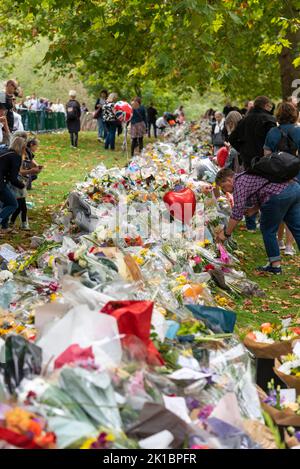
point(246, 48)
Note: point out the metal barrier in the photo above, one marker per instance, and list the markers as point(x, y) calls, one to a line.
point(42, 121)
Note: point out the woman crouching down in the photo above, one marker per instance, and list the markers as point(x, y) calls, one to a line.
point(277, 202)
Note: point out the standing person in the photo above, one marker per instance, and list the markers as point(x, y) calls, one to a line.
point(218, 132)
point(60, 107)
point(10, 164)
point(247, 107)
point(227, 108)
point(151, 120)
point(73, 118)
point(30, 161)
point(231, 122)
point(84, 108)
point(278, 202)
point(138, 125)
point(98, 115)
point(27, 171)
point(34, 102)
point(249, 136)
point(285, 137)
point(4, 129)
point(110, 121)
point(11, 91)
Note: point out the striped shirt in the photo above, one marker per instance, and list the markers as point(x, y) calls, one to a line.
point(250, 190)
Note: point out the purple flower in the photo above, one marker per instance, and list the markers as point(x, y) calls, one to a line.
point(205, 412)
point(297, 435)
point(192, 403)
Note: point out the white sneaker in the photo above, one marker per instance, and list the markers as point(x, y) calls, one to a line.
point(25, 226)
point(289, 251)
point(281, 245)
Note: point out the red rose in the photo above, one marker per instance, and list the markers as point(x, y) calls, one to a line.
point(71, 256)
point(209, 267)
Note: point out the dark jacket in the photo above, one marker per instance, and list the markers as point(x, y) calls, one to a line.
point(73, 124)
point(10, 164)
point(139, 115)
point(10, 115)
point(249, 136)
point(151, 114)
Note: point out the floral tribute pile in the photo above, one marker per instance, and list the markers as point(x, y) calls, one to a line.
point(117, 329)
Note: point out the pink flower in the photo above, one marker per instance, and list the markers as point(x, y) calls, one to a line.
point(197, 260)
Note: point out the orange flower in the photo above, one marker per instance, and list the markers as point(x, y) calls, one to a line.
point(193, 290)
point(35, 428)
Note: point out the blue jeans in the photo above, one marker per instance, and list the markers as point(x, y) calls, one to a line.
point(111, 135)
point(251, 222)
point(10, 205)
point(284, 207)
point(101, 128)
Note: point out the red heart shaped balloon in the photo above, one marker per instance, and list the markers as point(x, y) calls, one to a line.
point(181, 204)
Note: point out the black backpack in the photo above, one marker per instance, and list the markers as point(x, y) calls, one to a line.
point(278, 167)
point(72, 111)
point(286, 143)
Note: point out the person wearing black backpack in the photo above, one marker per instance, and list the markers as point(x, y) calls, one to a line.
point(277, 201)
point(73, 118)
point(285, 138)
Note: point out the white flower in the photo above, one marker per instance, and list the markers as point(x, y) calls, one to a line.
point(287, 366)
point(82, 263)
point(5, 275)
point(79, 252)
point(260, 337)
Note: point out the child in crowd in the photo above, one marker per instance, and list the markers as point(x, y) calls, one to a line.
point(28, 172)
point(30, 162)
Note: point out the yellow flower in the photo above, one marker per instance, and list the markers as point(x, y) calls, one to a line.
point(162, 310)
point(138, 260)
point(21, 267)
point(110, 437)
point(187, 353)
point(178, 288)
point(221, 301)
point(53, 297)
point(181, 279)
point(87, 444)
point(51, 261)
point(12, 265)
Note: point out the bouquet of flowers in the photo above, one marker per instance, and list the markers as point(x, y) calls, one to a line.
point(288, 368)
point(272, 340)
point(24, 429)
point(282, 406)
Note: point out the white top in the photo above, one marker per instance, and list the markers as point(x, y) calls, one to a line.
point(34, 104)
point(18, 124)
point(1, 132)
point(60, 108)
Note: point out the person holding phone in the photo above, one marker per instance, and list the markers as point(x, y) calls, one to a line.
point(30, 161)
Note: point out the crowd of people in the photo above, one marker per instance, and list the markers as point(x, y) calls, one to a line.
point(144, 121)
point(257, 152)
point(241, 138)
point(18, 166)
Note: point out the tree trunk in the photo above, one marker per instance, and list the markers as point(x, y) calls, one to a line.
point(288, 72)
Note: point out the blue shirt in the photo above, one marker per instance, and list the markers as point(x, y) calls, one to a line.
point(274, 136)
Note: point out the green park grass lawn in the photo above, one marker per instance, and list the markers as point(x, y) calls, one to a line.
point(64, 166)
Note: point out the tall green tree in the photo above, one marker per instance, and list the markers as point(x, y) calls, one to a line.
point(247, 48)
